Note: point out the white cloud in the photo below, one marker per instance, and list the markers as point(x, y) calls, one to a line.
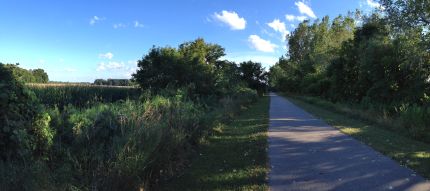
point(280, 27)
point(297, 18)
point(131, 68)
point(107, 55)
point(375, 5)
point(119, 25)
point(266, 61)
point(305, 9)
point(137, 24)
point(110, 66)
point(232, 19)
point(118, 69)
point(41, 61)
point(290, 17)
point(95, 20)
point(261, 44)
point(301, 18)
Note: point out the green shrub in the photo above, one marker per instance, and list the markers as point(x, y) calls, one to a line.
point(43, 134)
point(416, 120)
point(25, 137)
point(130, 144)
point(24, 132)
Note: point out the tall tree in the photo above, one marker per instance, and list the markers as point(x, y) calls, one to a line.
point(40, 75)
point(254, 75)
point(408, 13)
point(192, 64)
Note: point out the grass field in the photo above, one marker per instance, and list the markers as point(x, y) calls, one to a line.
point(233, 158)
point(408, 152)
point(81, 95)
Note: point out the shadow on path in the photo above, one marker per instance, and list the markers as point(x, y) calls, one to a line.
point(307, 154)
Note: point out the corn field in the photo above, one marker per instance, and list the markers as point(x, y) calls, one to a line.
point(81, 95)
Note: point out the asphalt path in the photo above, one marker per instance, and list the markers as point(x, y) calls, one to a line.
point(307, 154)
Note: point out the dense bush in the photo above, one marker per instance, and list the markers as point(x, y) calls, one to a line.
point(25, 136)
point(416, 120)
point(24, 131)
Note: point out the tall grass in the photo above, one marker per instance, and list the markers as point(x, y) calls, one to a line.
point(80, 95)
point(408, 120)
point(125, 145)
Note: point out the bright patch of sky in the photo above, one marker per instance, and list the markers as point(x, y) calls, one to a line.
point(83, 40)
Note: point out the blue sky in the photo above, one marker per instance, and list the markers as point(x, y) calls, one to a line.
point(82, 40)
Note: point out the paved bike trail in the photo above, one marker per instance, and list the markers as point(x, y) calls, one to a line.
point(306, 154)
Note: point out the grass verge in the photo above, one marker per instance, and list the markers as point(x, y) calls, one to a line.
point(233, 158)
point(406, 151)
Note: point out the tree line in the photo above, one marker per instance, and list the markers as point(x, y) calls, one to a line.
point(381, 58)
point(113, 82)
point(28, 76)
point(198, 66)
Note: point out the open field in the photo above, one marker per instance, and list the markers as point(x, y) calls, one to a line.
point(81, 95)
point(61, 84)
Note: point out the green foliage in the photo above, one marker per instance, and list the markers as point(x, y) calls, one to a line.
point(28, 76)
point(381, 66)
point(232, 158)
point(61, 95)
point(113, 82)
point(416, 120)
point(23, 130)
point(176, 67)
point(254, 75)
point(123, 145)
point(312, 49)
point(406, 14)
point(25, 136)
point(196, 65)
point(227, 78)
point(372, 62)
point(40, 76)
point(88, 137)
point(43, 134)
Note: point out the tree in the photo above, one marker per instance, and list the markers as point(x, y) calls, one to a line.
point(28, 76)
point(410, 13)
point(311, 49)
point(227, 78)
point(100, 82)
point(191, 64)
point(40, 76)
point(159, 68)
point(254, 75)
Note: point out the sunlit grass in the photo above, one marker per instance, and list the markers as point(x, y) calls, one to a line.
point(406, 151)
point(233, 158)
